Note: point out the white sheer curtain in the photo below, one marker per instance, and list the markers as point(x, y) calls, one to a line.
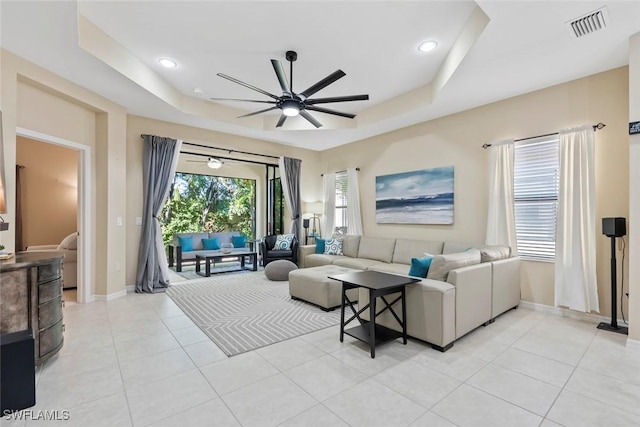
point(501, 223)
point(575, 268)
point(329, 200)
point(354, 216)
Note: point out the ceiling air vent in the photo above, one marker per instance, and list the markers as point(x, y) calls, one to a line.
point(589, 23)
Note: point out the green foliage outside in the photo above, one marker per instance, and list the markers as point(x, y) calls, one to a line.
point(209, 203)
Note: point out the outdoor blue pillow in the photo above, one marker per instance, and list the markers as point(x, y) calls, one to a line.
point(211, 244)
point(186, 242)
point(319, 245)
point(239, 241)
point(420, 266)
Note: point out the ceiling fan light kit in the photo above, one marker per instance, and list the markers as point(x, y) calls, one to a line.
point(214, 163)
point(291, 103)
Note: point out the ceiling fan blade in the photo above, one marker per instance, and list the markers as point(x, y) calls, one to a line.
point(258, 112)
point(264, 92)
point(310, 119)
point(243, 100)
point(327, 111)
point(281, 121)
point(322, 84)
point(336, 99)
point(282, 77)
point(197, 161)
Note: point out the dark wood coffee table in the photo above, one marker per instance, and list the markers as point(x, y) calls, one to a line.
point(240, 256)
point(379, 285)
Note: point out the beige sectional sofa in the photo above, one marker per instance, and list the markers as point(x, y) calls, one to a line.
point(467, 285)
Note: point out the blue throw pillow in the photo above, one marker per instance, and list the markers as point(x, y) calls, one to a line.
point(211, 244)
point(420, 266)
point(320, 245)
point(186, 242)
point(239, 241)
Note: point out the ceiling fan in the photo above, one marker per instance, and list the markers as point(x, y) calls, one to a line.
point(211, 162)
point(292, 103)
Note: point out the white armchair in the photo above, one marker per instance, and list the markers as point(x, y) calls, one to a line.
point(68, 247)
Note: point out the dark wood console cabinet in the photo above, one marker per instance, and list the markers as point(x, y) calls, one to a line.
point(31, 298)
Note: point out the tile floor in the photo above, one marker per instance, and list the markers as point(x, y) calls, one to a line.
point(139, 361)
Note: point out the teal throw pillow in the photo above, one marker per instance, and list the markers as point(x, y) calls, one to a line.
point(283, 242)
point(420, 266)
point(186, 242)
point(333, 247)
point(320, 244)
point(239, 241)
point(211, 244)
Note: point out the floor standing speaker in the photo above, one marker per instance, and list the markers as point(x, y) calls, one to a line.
point(17, 371)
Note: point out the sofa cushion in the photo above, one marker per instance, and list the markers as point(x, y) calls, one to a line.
point(283, 242)
point(357, 263)
point(456, 247)
point(320, 245)
point(377, 248)
point(316, 260)
point(197, 239)
point(494, 253)
point(210, 244)
point(420, 266)
point(239, 241)
point(350, 245)
point(411, 248)
point(333, 247)
point(70, 242)
point(186, 242)
point(443, 264)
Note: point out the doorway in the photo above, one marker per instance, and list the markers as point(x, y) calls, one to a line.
point(84, 207)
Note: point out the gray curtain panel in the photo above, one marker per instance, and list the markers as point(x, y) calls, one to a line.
point(160, 158)
point(290, 178)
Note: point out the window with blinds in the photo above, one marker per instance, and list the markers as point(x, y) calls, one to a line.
point(341, 203)
point(536, 165)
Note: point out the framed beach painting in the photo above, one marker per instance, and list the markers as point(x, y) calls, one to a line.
point(417, 197)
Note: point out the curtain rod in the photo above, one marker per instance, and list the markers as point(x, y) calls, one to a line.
point(230, 151)
point(228, 158)
point(595, 128)
point(358, 169)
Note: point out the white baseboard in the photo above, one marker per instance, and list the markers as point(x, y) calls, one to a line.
point(110, 297)
point(131, 289)
point(565, 312)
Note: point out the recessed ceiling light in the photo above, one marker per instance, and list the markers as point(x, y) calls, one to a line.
point(198, 91)
point(428, 46)
point(168, 63)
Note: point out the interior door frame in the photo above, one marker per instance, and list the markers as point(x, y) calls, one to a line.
point(85, 212)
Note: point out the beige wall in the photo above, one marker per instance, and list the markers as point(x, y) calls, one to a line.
point(38, 100)
point(634, 190)
point(137, 126)
point(49, 191)
point(456, 140)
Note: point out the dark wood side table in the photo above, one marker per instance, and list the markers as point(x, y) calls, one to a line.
point(379, 285)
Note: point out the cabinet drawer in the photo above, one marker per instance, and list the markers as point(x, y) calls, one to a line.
point(48, 271)
point(50, 338)
point(49, 313)
point(49, 291)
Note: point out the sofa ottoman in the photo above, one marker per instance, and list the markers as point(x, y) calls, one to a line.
point(314, 286)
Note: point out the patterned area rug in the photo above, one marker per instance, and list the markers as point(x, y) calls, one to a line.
point(244, 311)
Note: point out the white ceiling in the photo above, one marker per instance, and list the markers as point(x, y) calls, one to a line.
point(524, 47)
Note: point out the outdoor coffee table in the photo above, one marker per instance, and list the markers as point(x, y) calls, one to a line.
point(379, 285)
point(240, 256)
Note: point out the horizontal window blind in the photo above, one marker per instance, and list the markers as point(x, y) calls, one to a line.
point(535, 186)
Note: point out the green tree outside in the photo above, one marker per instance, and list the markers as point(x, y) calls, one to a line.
point(199, 203)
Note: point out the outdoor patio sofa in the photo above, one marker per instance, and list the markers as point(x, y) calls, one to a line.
point(466, 286)
point(178, 256)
